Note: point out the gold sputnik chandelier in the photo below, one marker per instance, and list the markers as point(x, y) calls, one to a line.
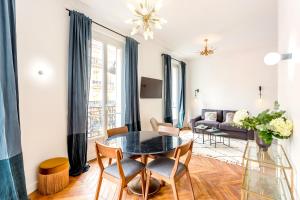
point(207, 51)
point(145, 17)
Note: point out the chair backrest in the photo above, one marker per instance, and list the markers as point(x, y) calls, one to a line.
point(169, 130)
point(117, 131)
point(104, 151)
point(154, 123)
point(181, 151)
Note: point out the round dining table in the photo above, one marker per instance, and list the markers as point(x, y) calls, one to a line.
point(144, 144)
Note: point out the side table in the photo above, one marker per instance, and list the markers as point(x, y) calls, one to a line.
point(201, 130)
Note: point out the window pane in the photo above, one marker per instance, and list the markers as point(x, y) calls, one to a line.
point(113, 87)
point(96, 103)
point(175, 79)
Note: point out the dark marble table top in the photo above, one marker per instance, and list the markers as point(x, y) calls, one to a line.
point(144, 142)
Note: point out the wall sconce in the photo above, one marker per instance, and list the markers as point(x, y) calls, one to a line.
point(274, 58)
point(197, 92)
point(260, 91)
point(40, 72)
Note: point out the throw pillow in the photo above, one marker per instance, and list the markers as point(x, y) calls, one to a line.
point(210, 116)
point(229, 117)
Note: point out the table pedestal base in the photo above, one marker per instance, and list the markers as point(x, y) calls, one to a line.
point(136, 188)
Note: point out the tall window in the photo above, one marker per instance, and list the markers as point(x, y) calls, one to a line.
point(175, 91)
point(105, 86)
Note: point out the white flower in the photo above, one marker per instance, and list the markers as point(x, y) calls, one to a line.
point(239, 116)
point(282, 127)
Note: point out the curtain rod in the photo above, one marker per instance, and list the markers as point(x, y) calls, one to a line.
point(104, 27)
point(172, 58)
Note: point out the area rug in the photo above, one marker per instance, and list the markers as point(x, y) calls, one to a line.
point(232, 154)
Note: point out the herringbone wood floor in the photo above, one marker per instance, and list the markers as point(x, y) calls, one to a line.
point(212, 180)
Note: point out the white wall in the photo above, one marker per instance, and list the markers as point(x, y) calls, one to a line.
point(289, 77)
point(150, 65)
point(230, 80)
point(42, 30)
point(42, 44)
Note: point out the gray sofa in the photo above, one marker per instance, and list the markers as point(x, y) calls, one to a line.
point(233, 131)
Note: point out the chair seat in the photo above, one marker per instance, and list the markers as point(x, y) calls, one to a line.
point(130, 168)
point(164, 167)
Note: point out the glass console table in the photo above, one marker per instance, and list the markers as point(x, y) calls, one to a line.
point(267, 175)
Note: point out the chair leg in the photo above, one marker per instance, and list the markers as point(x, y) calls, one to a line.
point(191, 185)
point(109, 161)
point(99, 186)
point(174, 189)
point(144, 159)
point(143, 182)
point(147, 184)
point(120, 192)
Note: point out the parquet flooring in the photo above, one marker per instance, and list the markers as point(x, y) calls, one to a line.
point(212, 180)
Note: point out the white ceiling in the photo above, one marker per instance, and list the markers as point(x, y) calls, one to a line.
point(224, 22)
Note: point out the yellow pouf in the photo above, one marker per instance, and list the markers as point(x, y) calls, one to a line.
point(53, 175)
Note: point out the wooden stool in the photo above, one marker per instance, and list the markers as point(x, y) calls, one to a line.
point(53, 175)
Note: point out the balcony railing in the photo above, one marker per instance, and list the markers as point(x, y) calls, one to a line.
point(96, 126)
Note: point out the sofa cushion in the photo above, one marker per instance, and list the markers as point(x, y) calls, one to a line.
point(225, 113)
point(210, 116)
point(219, 114)
point(229, 117)
point(208, 123)
point(230, 127)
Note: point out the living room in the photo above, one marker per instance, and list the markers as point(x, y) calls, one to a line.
point(202, 60)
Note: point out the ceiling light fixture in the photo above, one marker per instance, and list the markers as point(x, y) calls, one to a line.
point(206, 51)
point(145, 17)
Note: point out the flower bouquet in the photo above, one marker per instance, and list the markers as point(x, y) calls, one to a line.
point(266, 125)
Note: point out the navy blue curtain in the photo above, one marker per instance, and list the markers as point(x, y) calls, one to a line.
point(132, 107)
point(12, 179)
point(79, 69)
point(167, 67)
point(181, 106)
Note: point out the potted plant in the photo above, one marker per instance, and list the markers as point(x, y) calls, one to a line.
point(266, 125)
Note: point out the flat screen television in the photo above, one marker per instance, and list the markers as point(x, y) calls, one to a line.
point(151, 88)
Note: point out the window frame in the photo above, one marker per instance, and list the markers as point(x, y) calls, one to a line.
point(119, 44)
point(175, 64)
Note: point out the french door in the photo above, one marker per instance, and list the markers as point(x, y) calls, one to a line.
point(105, 97)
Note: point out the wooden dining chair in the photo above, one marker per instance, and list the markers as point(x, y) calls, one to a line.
point(155, 124)
point(118, 131)
point(171, 170)
point(169, 130)
point(121, 172)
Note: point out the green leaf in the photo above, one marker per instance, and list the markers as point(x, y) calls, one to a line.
point(266, 136)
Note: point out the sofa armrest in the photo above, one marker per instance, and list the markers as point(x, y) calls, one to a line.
point(193, 121)
point(250, 135)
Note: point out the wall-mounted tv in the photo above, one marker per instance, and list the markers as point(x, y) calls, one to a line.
point(151, 88)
